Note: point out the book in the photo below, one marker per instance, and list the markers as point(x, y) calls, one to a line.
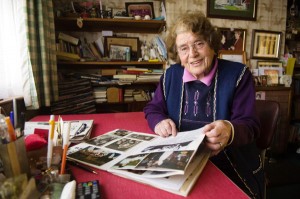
point(114, 94)
point(95, 51)
point(67, 56)
point(172, 164)
point(68, 38)
point(125, 76)
point(99, 45)
point(80, 129)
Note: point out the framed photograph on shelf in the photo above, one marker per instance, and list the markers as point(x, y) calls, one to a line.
point(237, 10)
point(265, 44)
point(132, 42)
point(272, 74)
point(233, 39)
point(269, 64)
point(236, 56)
point(117, 52)
point(140, 9)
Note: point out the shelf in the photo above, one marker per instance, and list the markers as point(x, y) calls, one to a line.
point(115, 25)
point(107, 65)
point(120, 107)
point(272, 88)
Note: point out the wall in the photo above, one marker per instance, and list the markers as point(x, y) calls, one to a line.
point(271, 15)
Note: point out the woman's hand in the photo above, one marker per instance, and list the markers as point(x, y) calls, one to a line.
point(217, 134)
point(165, 128)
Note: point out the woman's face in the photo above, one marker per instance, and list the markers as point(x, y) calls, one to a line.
point(194, 53)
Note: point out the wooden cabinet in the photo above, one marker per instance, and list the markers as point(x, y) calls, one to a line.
point(283, 95)
point(67, 24)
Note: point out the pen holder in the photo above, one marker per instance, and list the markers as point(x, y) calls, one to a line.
point(14, 158)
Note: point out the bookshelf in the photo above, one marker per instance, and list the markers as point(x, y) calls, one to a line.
point(68, 25)
point(107, 65)
point(115, 25)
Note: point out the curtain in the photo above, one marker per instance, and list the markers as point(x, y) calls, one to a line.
point(27, 52)
point(14, 59)
point(41, 40)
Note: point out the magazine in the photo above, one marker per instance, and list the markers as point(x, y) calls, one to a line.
point(172, 163)
point(80, 129)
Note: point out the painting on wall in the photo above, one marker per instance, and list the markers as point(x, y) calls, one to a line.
point(232, 9)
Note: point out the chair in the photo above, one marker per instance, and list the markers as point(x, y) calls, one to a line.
point(268, 114)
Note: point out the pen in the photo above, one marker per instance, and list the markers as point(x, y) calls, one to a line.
point(81, 166)
point(66, 137)
point(12, 119)
point(50, 141)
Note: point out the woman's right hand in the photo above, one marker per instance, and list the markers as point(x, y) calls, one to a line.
point(165, 128)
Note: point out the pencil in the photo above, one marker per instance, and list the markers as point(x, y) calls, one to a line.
point(10, 129)
point(66, 137)
point(50, 141)
point(83, 167)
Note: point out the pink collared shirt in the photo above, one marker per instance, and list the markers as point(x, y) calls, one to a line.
point(188, 77)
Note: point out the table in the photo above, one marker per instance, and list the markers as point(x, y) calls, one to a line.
point(212, 183)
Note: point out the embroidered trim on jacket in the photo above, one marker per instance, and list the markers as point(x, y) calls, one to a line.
point(241, 76)
point(164, 86)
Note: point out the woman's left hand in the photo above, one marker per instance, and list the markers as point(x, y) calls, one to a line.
point(217, 134)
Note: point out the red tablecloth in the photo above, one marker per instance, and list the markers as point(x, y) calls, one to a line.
point(212, 183)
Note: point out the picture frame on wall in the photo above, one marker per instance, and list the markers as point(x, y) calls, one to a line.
point(233, 39)
point(118, 52)
point(238, 10)
point(140, 9)
point(265, 44)
point(236, 56)
point(132, 42)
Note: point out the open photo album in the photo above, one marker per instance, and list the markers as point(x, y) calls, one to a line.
point(172, 164)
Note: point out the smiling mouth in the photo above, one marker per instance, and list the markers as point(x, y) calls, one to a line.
point(196, 62)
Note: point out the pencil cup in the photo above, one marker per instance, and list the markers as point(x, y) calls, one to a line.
point(14, 158)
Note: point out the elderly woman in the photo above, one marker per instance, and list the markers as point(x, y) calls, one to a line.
point(201, 90)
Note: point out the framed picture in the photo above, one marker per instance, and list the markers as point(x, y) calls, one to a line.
point(140, 9)
point(233, 39)
point(236, 56)
point(238, 10)
point(132, 42)
point(266, 44)
point(269, 64)
point(271, 73)
point(118, 52)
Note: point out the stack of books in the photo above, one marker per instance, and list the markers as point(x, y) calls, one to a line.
point(72, 99)
point(140, 95)
point(128, 95)
point(70, 48)
point(100, 94)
